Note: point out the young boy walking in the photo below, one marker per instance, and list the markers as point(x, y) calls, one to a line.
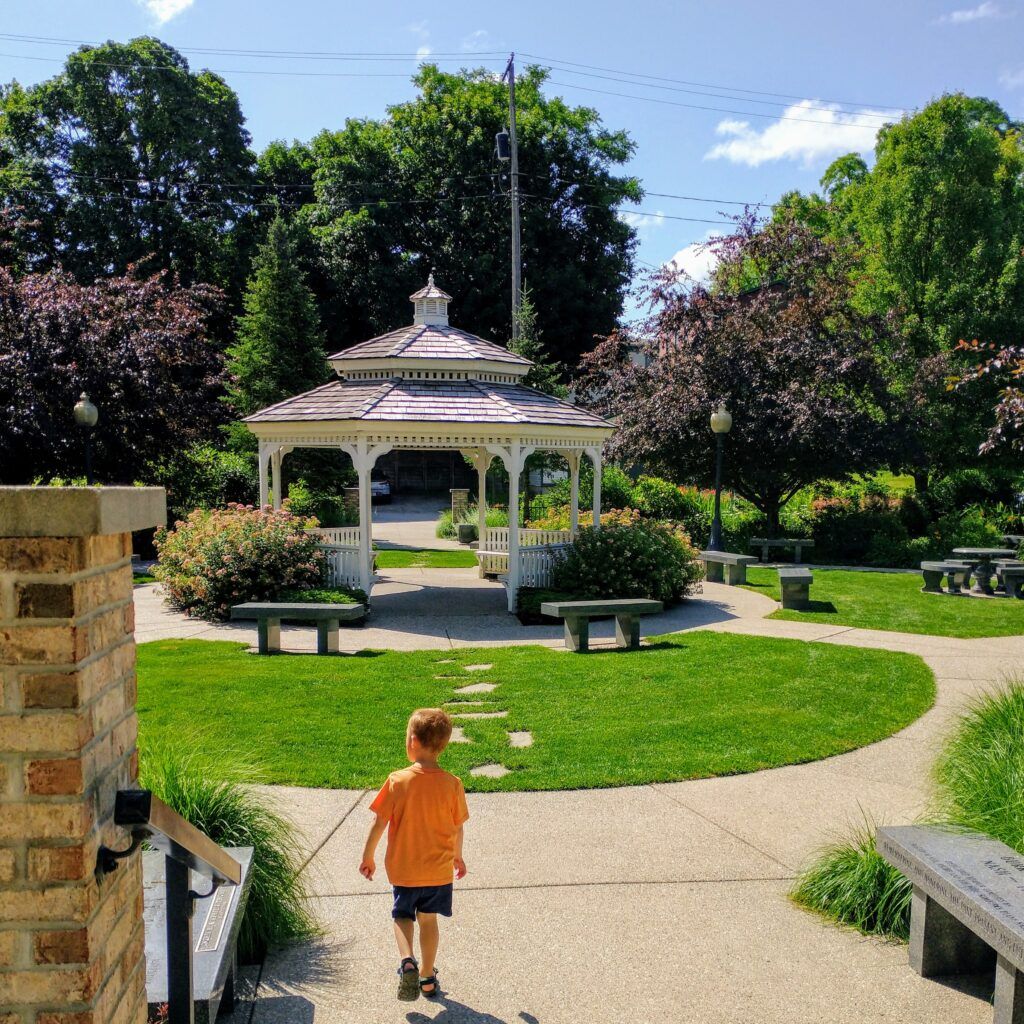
point(423, 808)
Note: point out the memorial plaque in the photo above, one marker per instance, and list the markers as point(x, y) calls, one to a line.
point(213, 927)
point(978, 880)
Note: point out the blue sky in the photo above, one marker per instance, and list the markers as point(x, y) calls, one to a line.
point(795, 83)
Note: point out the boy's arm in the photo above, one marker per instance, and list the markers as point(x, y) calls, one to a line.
point(460, 864)
point(368, 866)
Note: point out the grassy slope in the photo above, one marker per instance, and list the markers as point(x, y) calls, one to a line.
point(894, 601)
point(695, 705)
point(427, 558)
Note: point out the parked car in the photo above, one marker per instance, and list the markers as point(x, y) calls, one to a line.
point(380, 489)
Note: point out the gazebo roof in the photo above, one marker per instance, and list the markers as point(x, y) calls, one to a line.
point(429, 341)
point(428, 401)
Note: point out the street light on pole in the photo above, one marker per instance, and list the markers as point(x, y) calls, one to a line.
point(721, 424)
point(86, 416)
point(508, 151)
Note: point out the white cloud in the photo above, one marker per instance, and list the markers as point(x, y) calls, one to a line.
point(987, 9)
point(1013, 79)
point(423, 51)
point(809, 131)
point(477, 41)
point(640, 221)
point(421, 30)
point(695, 261)
point(164, 10)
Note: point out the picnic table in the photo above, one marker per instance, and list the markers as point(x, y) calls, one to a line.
point(982, 560)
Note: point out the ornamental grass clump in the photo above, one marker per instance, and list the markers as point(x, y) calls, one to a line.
point(219, 800)
point(978, 787)
point(629, 559)
point(216, 558)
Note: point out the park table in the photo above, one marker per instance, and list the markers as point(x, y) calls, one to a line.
point(983, 569)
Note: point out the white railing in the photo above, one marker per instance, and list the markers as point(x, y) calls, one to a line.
point(347, 536)
point(536, 563)
point(495, 538)
point(342, 565)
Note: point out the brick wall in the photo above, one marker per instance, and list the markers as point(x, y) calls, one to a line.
point(460, 502)
point(71, 946)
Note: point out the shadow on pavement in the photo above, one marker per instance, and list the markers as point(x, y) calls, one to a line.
point(459, 1013)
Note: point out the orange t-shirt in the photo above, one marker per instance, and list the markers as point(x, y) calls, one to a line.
point(424, 808)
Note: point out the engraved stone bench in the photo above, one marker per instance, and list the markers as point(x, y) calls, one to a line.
point(270, 614)
point(1013, 579)
point(956, 572)
point(215, 928)
point(796, 587)
point(767, 543)
point(727, 565)
point(967, 907)
point(577, 616)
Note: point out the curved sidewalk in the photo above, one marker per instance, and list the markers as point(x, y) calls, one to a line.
point(651, 903)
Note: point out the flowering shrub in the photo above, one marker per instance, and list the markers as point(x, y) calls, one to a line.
point(219, 557)
point(634, 559)
point(558, 518)
point(659, 499)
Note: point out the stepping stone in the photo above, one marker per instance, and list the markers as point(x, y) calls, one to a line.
point(445, 661)
point(477, 668)
point(466, 703)
point(482, 714)
point(520, 739)
point(477, 688)
point(458, 736)
point(489, 771)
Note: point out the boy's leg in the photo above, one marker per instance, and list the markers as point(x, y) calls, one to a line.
point(404, 931)
point(430, 936)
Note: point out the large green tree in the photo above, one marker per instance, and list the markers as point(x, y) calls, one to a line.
point(421, 189)
point(127, 155)
point(279, 348)
point(939, 219)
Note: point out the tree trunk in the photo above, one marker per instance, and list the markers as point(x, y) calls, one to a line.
point(921, 481)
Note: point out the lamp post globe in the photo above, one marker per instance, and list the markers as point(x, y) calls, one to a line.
point(721, 424)
point(87, 416)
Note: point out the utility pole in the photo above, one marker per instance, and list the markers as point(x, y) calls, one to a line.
point(510, 76)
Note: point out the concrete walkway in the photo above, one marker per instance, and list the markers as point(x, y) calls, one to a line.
point(645, 904)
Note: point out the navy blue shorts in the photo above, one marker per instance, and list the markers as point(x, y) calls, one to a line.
point(427, 899)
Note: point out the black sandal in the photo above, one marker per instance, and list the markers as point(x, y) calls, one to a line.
point(408, 980)
point(432, 980)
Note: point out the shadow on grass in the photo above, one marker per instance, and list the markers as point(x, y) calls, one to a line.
point(822, 607)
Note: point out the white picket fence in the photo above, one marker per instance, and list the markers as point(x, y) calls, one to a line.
point(342, 565)
point(536, 562)
point(496, 539)
point(347, 536)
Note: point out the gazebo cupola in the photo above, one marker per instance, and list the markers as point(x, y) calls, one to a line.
point(430, 304)
point(428, 385)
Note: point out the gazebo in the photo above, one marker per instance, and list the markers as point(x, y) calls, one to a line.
point(428, 386)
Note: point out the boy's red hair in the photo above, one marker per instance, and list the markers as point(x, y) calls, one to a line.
point(432, 728)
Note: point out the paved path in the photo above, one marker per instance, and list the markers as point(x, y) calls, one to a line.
point(644, 904)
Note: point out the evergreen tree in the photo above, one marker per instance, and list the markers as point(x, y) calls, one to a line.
point(545, 373)
point(279, 348)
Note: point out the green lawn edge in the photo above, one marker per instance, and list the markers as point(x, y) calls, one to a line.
point(893, 602)
point(693, 705)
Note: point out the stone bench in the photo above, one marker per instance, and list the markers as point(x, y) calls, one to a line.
point(215, 928)
point(796, 543)
point(1013, 579)
point(577, 616)
point(796, 587)
point(270, 614)
point(966, 909)
point(957, 574)
point(725, 564)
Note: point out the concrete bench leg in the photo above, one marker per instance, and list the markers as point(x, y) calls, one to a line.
point(795, 595)
point(983, 578)
point(1012, 587)
point(736, 574)
point(269, 635)
point(797, 550)
point(713, 572)
point(932, 581)
point(577, 634)
point(1008, 1002)
point(764, 552)
point(940, 944)
point(327, 636)
point(627, 631)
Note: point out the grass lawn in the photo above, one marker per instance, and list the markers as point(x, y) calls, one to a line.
point(894, 601)
point(426, 558)
point(691, 706)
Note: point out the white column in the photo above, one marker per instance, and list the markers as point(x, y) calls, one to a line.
point(595, 458)
point(264, 459)
point(483, 460)
point(364, 458)
point(275, 476)
point(515, 467)
point(573, 458)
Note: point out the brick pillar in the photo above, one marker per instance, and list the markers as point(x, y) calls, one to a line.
point(460, 502)
point(352, 500)
point(71, 947)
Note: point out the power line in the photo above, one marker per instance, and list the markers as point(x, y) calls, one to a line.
point(616, 209)
point(719, 110)
point(706, 85)
point(658, 195)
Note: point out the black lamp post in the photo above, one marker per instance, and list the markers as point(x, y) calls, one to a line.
point(721, 423)
point(86, 415)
